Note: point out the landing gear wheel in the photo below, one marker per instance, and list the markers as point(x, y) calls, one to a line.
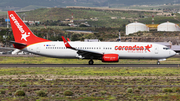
point(158, 63)
point(91, 62)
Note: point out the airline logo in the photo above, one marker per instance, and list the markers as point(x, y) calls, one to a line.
point(23, 33)
point(134, 48)
point(24, 36)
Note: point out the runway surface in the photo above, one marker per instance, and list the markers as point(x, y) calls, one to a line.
point(86, 65)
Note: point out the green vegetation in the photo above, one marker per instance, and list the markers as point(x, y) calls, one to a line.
point(19, 93)
point(23, 85)
point(2, 92)
point(34, 4)
point(3, 13)
point(41, 93)
point(166, 90)
point(100, 21)
point(129, 90)
point(88, 83)
point(47, 60)
point(68, 93)
point(159, 20)
point(91, 71)
point(53, 16)
point(159, 88)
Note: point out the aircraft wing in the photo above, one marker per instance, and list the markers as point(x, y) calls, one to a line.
point(81, 52)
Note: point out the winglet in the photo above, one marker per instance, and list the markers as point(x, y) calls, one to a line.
point(68, 40)
point(66, 43)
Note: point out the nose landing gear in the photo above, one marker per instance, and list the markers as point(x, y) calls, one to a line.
point(158, 62)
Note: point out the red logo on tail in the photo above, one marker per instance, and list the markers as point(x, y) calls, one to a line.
point(22, 34)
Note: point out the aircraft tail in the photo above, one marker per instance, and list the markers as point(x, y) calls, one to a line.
point(22, 34)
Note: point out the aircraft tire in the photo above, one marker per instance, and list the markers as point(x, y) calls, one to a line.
point(158, 63)
point(91, 62)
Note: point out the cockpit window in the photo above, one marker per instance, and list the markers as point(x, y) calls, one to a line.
point(165, 48)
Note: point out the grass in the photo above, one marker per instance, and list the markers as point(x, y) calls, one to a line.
point(88, 93)
point(86, 71)
point(47, 60)
point(91, 71)
point(53, 79)
point(3, 13)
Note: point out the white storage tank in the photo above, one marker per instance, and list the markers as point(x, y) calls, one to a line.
point(135, 27)
point(168, 26)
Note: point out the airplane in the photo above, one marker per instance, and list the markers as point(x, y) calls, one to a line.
point(25, 40)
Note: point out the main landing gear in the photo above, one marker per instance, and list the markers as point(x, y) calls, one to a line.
point(91, 62)
point(158, 62)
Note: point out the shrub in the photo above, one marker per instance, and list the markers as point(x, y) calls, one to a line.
point(68, 93)
point(129, 90)
point(103, 92)
point(19, 93)
point(137, 90)
point(9, 93)
point(139, 87)
point(3, 92)
point(23, 85)
point(41, 93)
point(56, 94)
point(178, 90)
point(167, 90)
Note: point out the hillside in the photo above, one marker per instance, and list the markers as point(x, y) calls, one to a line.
point(106, 27)
point(34, 4)
point(104, 18)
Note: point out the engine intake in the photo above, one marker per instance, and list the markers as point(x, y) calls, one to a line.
point(110, 58)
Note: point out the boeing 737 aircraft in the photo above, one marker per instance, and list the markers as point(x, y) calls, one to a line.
point(25, 40)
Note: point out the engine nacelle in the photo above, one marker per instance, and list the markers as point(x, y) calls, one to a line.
point(110, 58)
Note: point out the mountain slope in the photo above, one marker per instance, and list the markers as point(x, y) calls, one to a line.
point(24, 4)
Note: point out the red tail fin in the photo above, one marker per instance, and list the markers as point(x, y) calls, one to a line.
point(22, 34)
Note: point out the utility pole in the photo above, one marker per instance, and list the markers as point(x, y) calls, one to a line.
point(7, 21)
point(119, 39)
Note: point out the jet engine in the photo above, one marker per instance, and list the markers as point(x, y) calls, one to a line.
point(110, 58)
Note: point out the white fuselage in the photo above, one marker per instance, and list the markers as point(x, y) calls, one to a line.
point(125, 50)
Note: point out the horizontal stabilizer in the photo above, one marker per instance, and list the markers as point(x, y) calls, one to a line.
point(16, 43)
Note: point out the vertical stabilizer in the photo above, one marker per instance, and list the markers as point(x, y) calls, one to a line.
point(22, 34)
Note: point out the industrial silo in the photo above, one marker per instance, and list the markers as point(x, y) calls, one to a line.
point(168, 26)
point(135, 27)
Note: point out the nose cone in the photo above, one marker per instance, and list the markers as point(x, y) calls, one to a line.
point(173, 53)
